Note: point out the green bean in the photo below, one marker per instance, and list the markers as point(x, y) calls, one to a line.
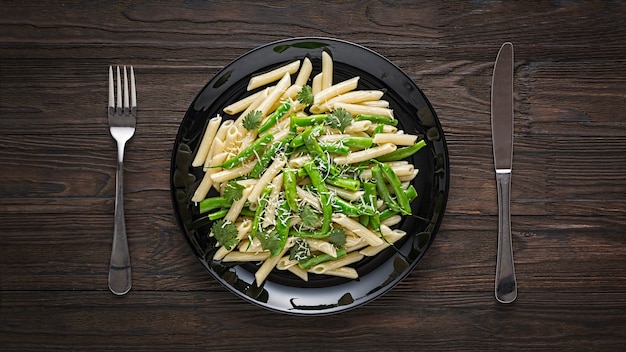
point(344, 182)
point(283, 216)
point(316, 151)
point(298, 140)
point(259, 211)
point(387, 213)
point(396, 185)
point(266, 158)
point(304, 121)
point(383, 191)
point(311, 262)
point(213, 203)
point(318, 183)
point(370, 200)
point(402, 153)
point(377, 119)
point(411, 192)
point(379, 129)
point(346, 207)
point(275, 116)
point(357, 142)
point(218, 214)
point(289, 181)
point(364, 220)
point(247, 212)
point(335, 148)
point(247, 152)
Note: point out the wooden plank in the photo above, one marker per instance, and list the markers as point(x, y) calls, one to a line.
point(100, 321)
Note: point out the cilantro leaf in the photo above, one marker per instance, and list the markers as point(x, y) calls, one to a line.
point(225, 233)
point(340, 119)
point(300, 250)
point(337, 237)
point(310, 218)
point(252, 120)
point(272, 241)
point(233, 191)
point(305, 95)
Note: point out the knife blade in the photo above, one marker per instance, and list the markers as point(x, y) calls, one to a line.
point(502, 119)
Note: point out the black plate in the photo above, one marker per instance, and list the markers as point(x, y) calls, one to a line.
point(322, 294)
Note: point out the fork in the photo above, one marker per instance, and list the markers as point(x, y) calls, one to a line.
point(122, 119)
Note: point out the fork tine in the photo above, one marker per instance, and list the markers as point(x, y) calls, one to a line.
point(111, 88)
point(119, 91)
point(125, 90)
point(133, 91)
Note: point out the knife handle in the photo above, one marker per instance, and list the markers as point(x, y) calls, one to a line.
point(506, 284)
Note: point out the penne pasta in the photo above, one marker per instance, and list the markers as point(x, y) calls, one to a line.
point(327, 70)
point(347, 272)
point(235, 208)
point(365, 154)
point(322, 246)
point(348, 259)
point(305, 73)
point(352, 97)
point(273, 75)
point(395, 138)
point(316, 84)
point(357, 109)
point(358, 229)
point(391, 236)
point(269, 264)
point(274, 95)
point(229, 174)
point(358, 126)
point(335, 90)
point(207, 181)
point(245, 257)
point(207, 140)
point(242, 104)
point(268, 176)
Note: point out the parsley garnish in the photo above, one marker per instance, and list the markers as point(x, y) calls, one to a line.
point(337, 237)
point(305, 95)
point(225, 233)
point(340, 119)
point(310, 218)
point(252, 120)
point(233, 191)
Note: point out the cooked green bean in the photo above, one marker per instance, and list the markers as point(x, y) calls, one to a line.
point(289, 182)
point(324, 257)
point(318, 183)
point(377, 119)
point(402, 153)
point(213, 203)
point(275, 116)
point(396, 185)
point(268, 155)
point(251, 150)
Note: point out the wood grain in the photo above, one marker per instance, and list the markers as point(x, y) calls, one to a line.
point(57, 175)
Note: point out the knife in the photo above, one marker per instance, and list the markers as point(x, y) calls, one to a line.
point(502, 136)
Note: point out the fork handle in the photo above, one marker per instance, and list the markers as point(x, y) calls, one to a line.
point(119, 269)
point(506, 284)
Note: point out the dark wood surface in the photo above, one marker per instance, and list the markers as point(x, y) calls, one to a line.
point(57, 176)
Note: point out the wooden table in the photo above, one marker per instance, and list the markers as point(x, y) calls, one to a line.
point(57, 167)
